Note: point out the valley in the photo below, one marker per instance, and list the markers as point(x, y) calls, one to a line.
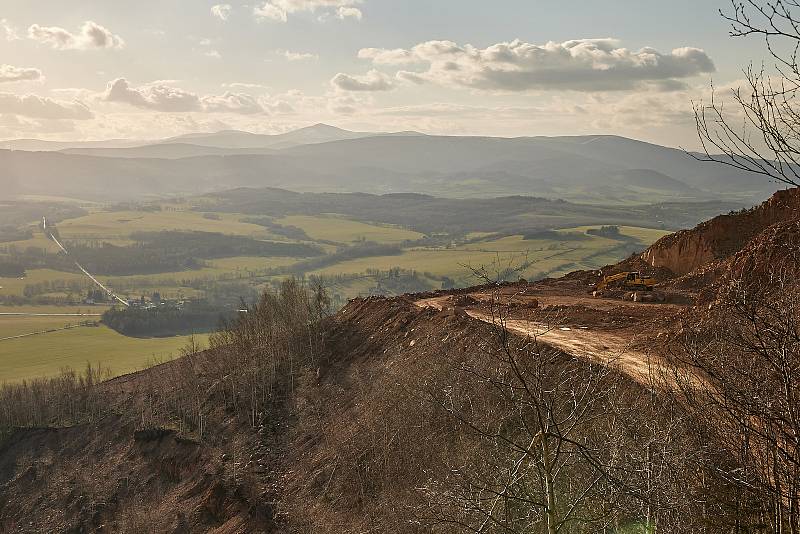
point(351, 255)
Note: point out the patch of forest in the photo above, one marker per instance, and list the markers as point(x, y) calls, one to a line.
point(166, 319)
point(157, 252)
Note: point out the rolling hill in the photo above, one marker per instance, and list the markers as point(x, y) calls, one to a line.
point(322, 158)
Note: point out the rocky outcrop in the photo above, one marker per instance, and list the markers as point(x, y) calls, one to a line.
point(687, 250)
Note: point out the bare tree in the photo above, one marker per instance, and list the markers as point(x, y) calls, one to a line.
point(748, 403)
point(764, 138)
point(559, 444)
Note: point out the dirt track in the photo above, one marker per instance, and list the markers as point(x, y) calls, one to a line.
point(604, 330)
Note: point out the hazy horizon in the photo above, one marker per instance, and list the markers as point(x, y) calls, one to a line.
point(186, 138)
point(94, 72)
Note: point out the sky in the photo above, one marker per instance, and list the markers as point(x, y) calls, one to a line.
point(108, 69)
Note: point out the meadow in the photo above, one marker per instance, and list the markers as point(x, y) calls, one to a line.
point(342, 230)
point(544, 257)
point(46, 354)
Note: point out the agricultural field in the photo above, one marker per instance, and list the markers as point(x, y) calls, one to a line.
point(408, 261)
point(120, 225)
point(16, 286)
point(24, 325)
point(46, 354)
point(544, 257)
point(342, 230)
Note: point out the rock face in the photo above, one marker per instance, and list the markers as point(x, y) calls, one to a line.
point(685, 251)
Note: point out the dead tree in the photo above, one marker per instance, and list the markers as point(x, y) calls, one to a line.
point(748, 403)
point(558, 444)
point(762, 135)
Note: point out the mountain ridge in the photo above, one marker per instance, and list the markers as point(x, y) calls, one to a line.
point(605, 169)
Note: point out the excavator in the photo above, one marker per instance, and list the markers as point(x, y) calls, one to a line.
point(630, 280)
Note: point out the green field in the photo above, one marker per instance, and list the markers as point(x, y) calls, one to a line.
point(81, 308)
point(47, 354)
point(547, 257)
point(15, 326)
point(340, 230)
point(246, 263)
point(121, 224)
point(15, 286)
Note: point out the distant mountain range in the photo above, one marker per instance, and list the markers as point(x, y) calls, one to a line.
point(607, 169)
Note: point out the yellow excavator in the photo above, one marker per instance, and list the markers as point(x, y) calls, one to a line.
point(630, 280)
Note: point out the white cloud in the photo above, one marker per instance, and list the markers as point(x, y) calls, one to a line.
point(297, 56)
point(381, 56)
point(164, 97)
point(9, 73)
point(38, 107)
point(372, 81)
point(221, 11)
point(279, 107)
point(270, 11)
point(158, 97)
point(279, 10)
point(580, 65)
point(12, 126)
point(240, 103)
point(245, 86)
point(213, 54)
point(345, 12)
point(9, 30)
point(91, 35)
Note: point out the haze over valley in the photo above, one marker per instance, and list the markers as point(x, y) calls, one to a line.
point(321, 158)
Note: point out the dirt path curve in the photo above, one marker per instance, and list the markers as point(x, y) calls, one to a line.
point(592, 344)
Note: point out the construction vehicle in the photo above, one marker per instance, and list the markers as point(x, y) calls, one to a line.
point(629, 280)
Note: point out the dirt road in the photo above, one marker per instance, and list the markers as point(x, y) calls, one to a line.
point(609, 347)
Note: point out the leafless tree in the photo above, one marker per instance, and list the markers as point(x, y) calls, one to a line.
point(763, 139)
point(560, 444)
point(747, 353)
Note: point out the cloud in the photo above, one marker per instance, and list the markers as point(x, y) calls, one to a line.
point(91, 35)
point(221, 11)
point(9, 73)
point(298, 56)
point(381, 56)
point(279, 107)
point(213, 54)
point(580, 65)
point(240, 103)
point(372, 81)
point(158, 97)
point(270, 11)
point(17, 126)
point(245, 85)
point(165, 98)
point(38, 107)
point(349, 12)
point(9, 30)
point(279, 10)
